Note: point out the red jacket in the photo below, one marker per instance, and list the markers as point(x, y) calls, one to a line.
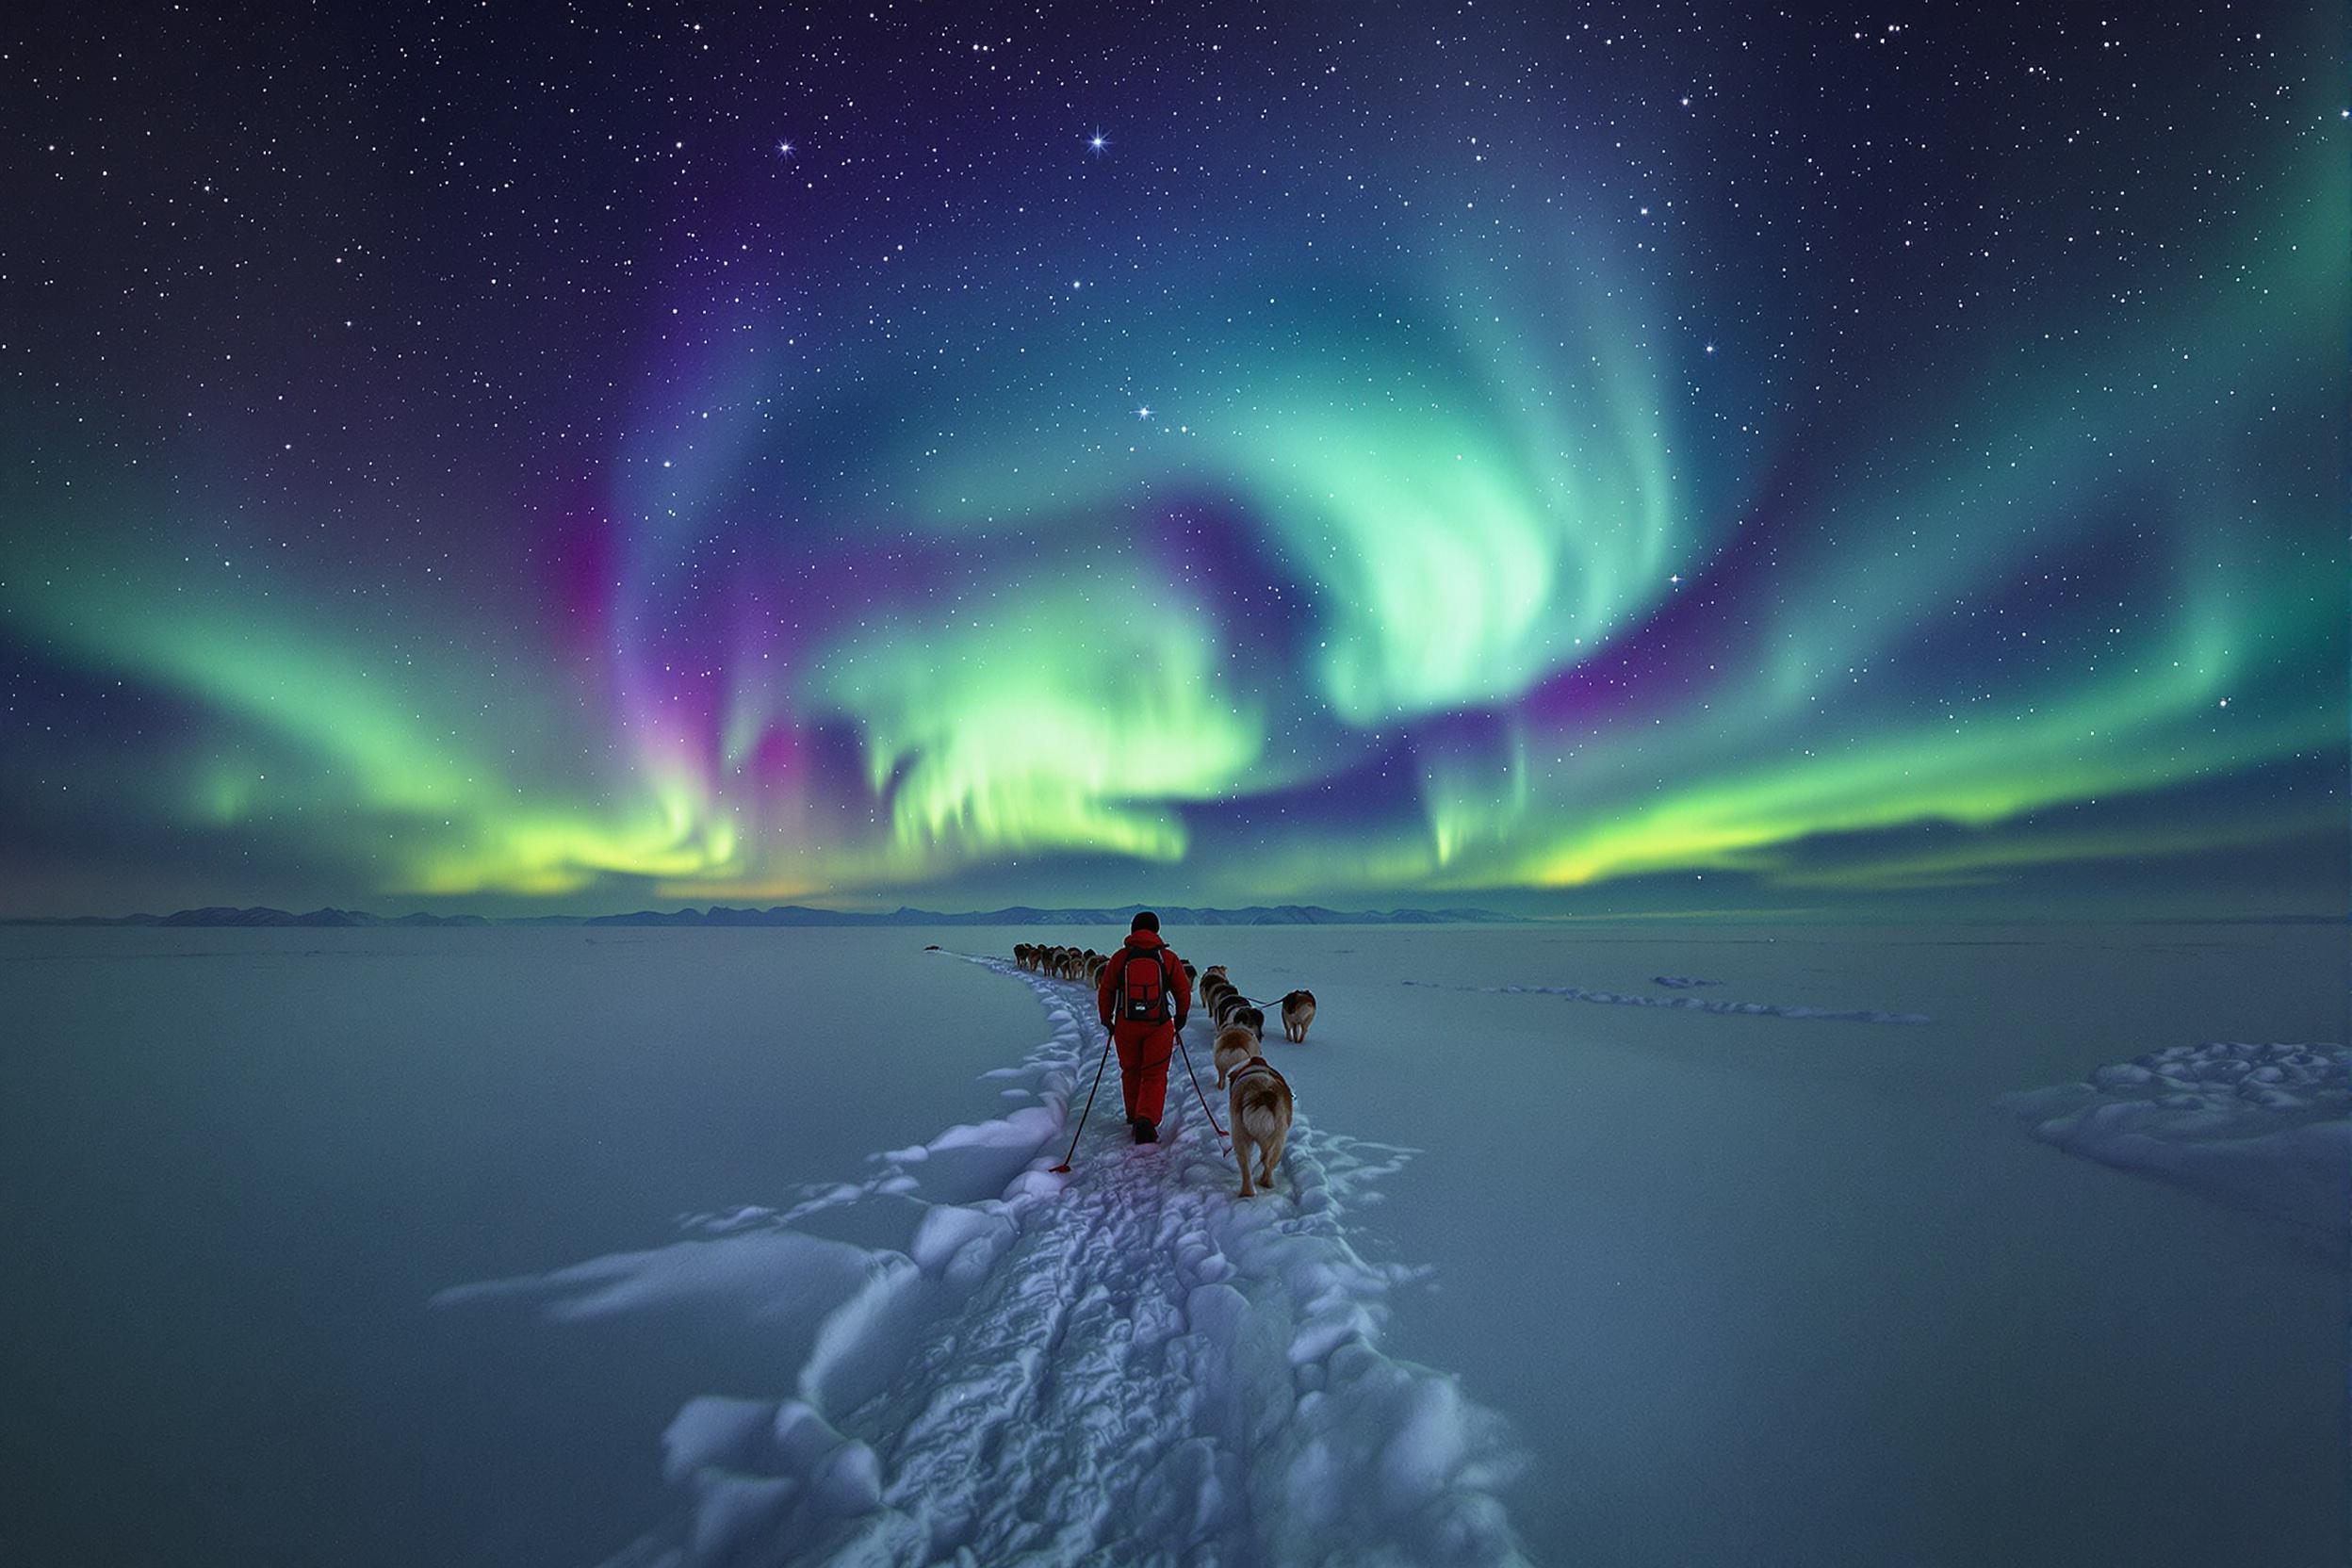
point(1145, 943)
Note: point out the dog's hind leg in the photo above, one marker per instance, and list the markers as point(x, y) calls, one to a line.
point(1270, 1155)
point(1241, 1153)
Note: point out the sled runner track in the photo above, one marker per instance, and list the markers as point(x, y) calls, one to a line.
point(1123, 1366)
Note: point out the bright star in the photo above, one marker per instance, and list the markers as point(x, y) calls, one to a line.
point(1143, 414)
point(1098, 142)
point(784, 148)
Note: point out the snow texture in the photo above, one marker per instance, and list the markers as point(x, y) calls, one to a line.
point(997, 1365)
point(1677, 982)
point(1692, 1004)
point(2261, 1127)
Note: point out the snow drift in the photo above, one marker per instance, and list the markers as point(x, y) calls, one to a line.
point(2262, 1127)
point(1692, 1004)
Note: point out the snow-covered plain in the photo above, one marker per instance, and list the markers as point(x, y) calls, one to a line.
point(742, 1253)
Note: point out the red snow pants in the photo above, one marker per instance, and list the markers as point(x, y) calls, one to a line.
point(1143, 1052)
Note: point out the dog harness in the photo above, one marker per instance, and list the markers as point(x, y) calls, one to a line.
point(1255, 1064)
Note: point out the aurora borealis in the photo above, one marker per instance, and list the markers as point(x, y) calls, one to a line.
point(1565, 459)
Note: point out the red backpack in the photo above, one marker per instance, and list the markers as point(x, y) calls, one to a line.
point(1142, 989)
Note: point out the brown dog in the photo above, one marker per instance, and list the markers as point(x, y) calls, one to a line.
point(1298, 1012)
point(1260, 1106)
point(1233, 1048)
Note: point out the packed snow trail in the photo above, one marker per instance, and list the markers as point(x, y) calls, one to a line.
point(1124, 1366)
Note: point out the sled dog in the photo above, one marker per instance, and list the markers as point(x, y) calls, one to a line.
point(1298, 1012)
point(1233, 1048)
point(1261, 1106)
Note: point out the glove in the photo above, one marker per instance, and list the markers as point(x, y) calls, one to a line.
point(1180, 1022)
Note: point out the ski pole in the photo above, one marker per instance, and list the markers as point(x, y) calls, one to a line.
point(1196, 1086)
point(1063, 1169)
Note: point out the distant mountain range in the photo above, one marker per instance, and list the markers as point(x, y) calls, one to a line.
point(796, 914)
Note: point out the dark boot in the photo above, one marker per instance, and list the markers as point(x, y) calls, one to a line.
point(1147, 1132)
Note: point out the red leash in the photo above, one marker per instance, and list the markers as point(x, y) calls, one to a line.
point(1196, 1086)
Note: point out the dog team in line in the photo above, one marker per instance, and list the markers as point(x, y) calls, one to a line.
point(1143, 995)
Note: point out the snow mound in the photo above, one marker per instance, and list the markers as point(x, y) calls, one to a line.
point(1690, 1003)
point(996, 1364)
point(1677, 982)
point(2261, 1127)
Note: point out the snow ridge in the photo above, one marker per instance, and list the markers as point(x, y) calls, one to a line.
point(1690, 1003)
point(1126, 1364)
point(2266, 1128)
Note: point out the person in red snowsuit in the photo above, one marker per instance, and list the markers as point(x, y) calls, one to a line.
point(1146, 978)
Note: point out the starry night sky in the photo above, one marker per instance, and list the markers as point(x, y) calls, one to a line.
point(1554, 458)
